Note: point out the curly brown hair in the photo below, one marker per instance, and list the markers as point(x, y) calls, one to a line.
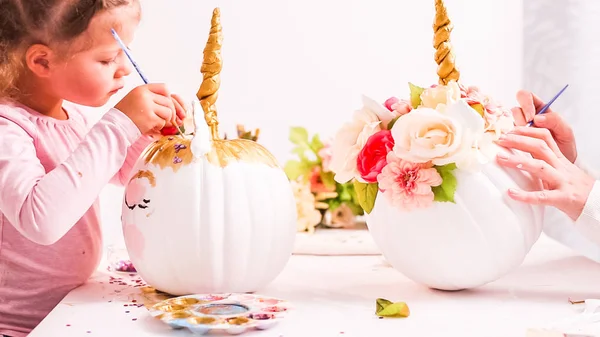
point(24, 23)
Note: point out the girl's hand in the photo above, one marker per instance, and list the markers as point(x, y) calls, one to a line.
point(151, 107)
point(566, 186)
point(560, 130)
point(180, 111)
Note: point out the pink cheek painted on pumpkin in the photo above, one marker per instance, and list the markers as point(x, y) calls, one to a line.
point(135, 193)
point(134, 240)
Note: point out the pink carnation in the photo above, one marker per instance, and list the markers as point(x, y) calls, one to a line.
point(472, 95)
point(408, 185)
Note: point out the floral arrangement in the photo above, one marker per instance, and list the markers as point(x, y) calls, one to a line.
point(410, 150)
point(320, 199)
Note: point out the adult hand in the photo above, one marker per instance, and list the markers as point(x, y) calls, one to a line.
point(559, 129)
point(566, 186)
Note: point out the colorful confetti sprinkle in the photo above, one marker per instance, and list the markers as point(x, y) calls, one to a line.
point(177, 160)
point(179, 147)
point(125, 266)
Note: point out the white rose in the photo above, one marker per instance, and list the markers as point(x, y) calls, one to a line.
point(426, 134)
point(349, 141)
point(384, 115)
point(482, 151)
point(440, 96)
point(500, 125)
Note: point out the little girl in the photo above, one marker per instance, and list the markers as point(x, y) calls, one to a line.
point(53, 162)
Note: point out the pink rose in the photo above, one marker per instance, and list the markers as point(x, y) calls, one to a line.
point(402, 107)
point(399, 107)
point(408, 185)
point(372, 158)
point(391, 101)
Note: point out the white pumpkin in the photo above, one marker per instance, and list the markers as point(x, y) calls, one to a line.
point(454, 246)
point(206, 215)
point(478, 239)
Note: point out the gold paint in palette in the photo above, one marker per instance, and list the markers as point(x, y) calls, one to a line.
point(231, 313)
point(152, 297)
point(444, 54)
point(202, 320)
point(179, 315)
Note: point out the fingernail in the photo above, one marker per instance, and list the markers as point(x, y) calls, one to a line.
point(513, 191)
point(502, 155)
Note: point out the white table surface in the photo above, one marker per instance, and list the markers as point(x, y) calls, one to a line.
point(335, 296)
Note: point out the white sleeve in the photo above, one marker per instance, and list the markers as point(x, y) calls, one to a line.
point(588, 222)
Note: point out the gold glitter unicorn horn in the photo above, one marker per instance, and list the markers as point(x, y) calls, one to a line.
point(211, 70)
point(444, 55)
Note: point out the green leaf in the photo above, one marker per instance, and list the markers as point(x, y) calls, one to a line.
point(344, 193)
point(295, 169)
point(445, 192)
point(301, 152)
point(392, 122)
point(479, 108)
point(328, 181)
point(299, 136)
point(316, 144)
point(385, 308)
point(366, 194)
point(381, 303)
point(333, 204)
point(356, 209)
point(415, 95)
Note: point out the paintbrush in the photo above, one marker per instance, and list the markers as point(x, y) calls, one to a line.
point(135, 65)
point(547, 106)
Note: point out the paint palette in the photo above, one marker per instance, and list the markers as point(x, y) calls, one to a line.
point(232, 313)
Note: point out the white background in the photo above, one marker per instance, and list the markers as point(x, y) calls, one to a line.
point(306, 63)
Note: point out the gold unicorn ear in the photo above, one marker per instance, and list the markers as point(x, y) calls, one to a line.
point(211, 72)
point(444, 54)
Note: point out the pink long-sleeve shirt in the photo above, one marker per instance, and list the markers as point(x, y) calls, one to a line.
point(51, 174)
